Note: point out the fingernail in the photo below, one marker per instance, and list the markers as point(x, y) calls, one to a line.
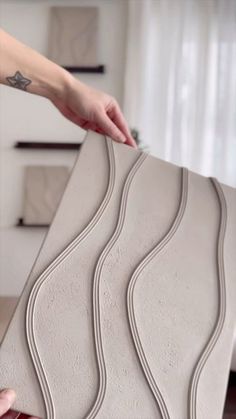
point(9, 394)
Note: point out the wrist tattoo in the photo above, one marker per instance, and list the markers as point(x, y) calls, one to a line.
point(18, 81)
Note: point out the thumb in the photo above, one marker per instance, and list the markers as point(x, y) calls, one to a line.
point(7, 398)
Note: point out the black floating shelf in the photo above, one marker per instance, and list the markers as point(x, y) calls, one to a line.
point(95, 69)
point(39, 145)
point(21, 223)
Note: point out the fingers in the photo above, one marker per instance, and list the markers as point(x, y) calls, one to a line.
point(104, 125)
point(117, 117)
point(107, 126)
point(7, 398)
point(11, 414)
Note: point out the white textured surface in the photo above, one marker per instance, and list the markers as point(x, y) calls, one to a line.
point(19, 248)
point(130, 310)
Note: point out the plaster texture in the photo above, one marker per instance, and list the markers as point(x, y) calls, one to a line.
point(129, 311)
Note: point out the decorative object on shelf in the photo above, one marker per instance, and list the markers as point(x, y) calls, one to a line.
point(129, 310)
point(41, 145)
point(73, 38)
point(139, 142)
point(44, 186)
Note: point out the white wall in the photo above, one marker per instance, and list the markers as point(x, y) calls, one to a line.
point(27, 117)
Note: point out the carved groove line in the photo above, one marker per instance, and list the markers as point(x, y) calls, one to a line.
point(97, 276)
point(221, 305)
point(130, 297)
point(40, 372)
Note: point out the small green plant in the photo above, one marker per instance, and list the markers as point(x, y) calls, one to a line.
point(139, 142)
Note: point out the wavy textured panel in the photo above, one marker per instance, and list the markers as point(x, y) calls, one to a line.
point(152, 251)
point(130, 297)
point(97, 277)
point(221, 305)
point(41, 374)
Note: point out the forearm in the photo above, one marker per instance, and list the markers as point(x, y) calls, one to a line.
point(26, 69)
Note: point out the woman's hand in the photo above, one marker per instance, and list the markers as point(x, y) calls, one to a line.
point(7, 398)
point(94, 110)
point(26, 69)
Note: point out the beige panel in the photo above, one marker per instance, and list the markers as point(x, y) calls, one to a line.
point(7, 307)
point(129, 311)
point(44, 186)
point(73, 36)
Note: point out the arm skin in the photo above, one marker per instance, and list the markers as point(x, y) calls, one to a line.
point(24, 68)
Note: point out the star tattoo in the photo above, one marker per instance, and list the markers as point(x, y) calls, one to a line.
point(18, 81)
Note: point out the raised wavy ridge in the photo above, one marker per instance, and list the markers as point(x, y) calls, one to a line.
point(96, 303)
point(130, 297)
point(34, 353)
point(221, 305)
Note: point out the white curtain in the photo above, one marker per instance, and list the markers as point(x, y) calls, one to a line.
point(180, 82)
